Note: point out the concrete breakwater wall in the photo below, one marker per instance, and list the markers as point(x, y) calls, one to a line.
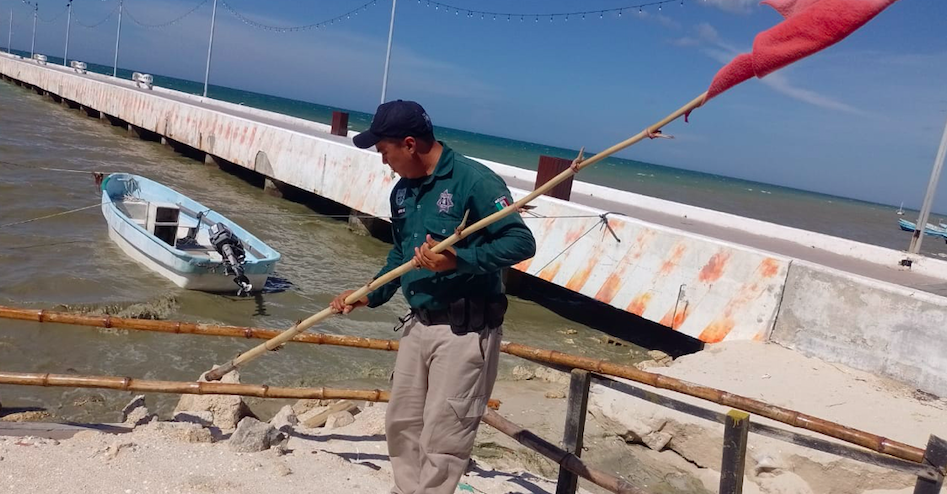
point(707, 288)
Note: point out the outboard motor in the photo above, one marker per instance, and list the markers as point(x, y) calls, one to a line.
point(229, 247)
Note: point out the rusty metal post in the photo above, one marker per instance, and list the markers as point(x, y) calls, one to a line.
point(549, 167)
point(935, 456)
point(576, 411)
point(734, 452)
point(340, 123)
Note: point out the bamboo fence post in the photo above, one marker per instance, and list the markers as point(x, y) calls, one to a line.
point(935, 456)
point(574, 432)
point(736, 430)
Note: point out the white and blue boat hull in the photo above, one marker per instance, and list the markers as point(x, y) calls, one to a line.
point(199, 268)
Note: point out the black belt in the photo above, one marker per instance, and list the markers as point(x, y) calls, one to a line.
point(464, 315)
point(432, 317)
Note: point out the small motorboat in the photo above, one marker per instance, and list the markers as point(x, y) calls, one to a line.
point(937, 231)
point(181, 239)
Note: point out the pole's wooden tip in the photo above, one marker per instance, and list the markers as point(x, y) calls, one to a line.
point(578, 160)
point(215, 374)
point(463, 224)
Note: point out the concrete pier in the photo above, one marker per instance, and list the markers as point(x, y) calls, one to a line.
point(709, 275)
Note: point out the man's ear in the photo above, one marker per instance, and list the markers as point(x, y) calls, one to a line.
point(411, 143)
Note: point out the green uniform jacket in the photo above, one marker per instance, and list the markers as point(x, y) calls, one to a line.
point(435, 205)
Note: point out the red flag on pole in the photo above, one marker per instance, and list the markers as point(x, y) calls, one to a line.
point(809, 26)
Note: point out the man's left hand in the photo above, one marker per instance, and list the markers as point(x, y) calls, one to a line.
point(425, 258)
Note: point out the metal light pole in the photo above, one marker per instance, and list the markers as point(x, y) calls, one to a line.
point(10, 34)
point(210, 46)
point(33, 42)
point(929, 197)
point(118, 37)
point(65, 57)
point(391, 30)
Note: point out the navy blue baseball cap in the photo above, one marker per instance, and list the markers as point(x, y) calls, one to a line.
point(397, 120)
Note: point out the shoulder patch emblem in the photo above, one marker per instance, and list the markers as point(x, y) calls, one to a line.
point(445, 202)
point(400, 195)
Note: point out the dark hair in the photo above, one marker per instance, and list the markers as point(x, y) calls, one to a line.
point(428, 139)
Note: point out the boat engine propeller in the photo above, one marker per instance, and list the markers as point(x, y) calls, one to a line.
point(229, 247)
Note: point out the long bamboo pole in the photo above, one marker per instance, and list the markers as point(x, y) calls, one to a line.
point(790, 417)
point(462, 232)
point(180, 327)
point(568, 460)
point(196, 388)
point(192, 388)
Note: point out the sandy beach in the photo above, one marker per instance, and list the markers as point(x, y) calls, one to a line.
point(657, 449)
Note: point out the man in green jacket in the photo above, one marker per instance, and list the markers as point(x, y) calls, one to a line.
point(447, 359)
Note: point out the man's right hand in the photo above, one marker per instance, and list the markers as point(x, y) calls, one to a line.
point(338, 304)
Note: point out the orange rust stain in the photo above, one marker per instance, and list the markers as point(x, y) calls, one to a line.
point(674, 321)
point(758, 336)
point(681, 317)
point(582, 275)
point(714, 268)
point(573, 235)
point(671, 262)
point(523, 266)
point(608, 290)
point(645, 235)
point(614, 281)
point(717, 330)
point(550, 271)
point(639, 304)
point(769, 267)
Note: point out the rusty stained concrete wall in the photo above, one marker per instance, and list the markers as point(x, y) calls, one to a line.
point(705, 288)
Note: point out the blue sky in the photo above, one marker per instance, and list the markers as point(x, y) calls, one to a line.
point(862, 119)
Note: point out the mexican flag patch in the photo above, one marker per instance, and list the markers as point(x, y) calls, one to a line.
point(501, 202)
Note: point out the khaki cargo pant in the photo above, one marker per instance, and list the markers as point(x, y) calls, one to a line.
point(439, 393)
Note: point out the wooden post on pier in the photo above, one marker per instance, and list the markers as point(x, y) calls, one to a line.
point(549, 167)
point(340, 123)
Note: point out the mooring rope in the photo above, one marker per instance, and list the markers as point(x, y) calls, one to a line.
point(63, 170)
point(51, 215)
point(528, 215)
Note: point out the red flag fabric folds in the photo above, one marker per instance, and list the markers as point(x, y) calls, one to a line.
point(809, 26)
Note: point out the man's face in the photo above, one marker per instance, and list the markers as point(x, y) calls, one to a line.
point(401, 156)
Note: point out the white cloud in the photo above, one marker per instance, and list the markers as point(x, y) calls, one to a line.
point(661, 19)
point(780, 83)
point(735, 6)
